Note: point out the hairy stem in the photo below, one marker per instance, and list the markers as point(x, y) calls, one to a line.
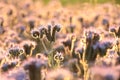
point(44, 45)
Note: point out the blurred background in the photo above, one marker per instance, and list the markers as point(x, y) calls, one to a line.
point(66, 2)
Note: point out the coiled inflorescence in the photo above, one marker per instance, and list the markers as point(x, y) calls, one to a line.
point(49, 32)
point(58, 57)
point(15, 52)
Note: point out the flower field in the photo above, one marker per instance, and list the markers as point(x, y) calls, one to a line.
point(55, 41)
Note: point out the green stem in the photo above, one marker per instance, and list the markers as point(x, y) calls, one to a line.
point(44, 45)
point(58, 64)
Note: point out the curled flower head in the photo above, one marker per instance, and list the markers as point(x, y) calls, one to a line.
point(35, 34)
point(116, 31)
point(28, 46)
point(8, 65)
point(105, 22)
point(60, 48)
point(96, 37)
point(5, 67)
point(15, 52)
point(92, 36)
point(58, 57)
point(31, 24)
point(89, 35)
point(13, 64)
point(67, 43)
point(112, 29)
point(50, 32)
point(21, 28)
point(57, 28)
point(42, 31)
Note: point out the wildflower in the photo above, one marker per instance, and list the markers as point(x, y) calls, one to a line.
point(105, 22)
point(35, 66)
point(71, 26)
point(67, 43)
point(115, 31)
point(31, 24)
point(5, 67)
point(58, 57)
point(15, 52)
point(28, 48)
point(55, 28)
point(42, 31)
point(35, 34)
